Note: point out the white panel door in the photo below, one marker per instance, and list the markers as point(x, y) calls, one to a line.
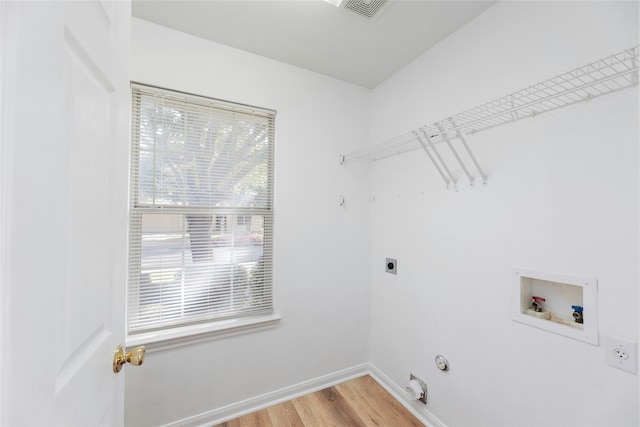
point(63, 208)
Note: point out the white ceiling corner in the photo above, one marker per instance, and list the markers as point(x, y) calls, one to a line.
point(316, 35)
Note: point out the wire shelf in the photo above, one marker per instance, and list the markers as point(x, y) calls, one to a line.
point(607, 75)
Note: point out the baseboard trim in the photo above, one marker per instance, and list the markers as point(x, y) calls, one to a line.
point(238, 409)
point(419, 410)
point(235, 410)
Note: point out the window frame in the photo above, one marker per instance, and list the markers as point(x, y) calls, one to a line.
point(169, 335)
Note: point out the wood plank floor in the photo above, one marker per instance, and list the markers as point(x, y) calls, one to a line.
point(361, 402)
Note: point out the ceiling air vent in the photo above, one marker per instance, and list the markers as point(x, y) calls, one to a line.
point(365, 8)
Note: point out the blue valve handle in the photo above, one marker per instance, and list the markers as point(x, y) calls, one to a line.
point(577, 308)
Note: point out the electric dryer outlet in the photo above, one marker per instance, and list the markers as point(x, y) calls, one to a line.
point(621, 354)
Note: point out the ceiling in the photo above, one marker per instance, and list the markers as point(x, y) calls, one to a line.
point(316, 35)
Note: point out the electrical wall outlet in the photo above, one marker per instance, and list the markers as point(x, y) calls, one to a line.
point(391, 266)
point(621, 354)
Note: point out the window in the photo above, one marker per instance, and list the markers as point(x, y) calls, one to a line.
point(201, 210)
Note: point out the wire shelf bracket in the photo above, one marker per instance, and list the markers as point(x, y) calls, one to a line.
point(607, 75)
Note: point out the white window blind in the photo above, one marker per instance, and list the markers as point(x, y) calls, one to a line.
point(201, 210)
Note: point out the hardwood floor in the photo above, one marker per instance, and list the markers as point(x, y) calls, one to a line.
point(357, 403)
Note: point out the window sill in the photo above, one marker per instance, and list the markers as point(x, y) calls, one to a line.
point(187, 335)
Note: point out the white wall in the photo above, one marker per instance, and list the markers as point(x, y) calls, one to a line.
point(562, 197)
point(321, 256)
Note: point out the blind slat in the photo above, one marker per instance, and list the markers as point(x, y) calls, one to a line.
point(201, 217)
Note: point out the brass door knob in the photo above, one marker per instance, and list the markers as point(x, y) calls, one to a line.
point(134, 357)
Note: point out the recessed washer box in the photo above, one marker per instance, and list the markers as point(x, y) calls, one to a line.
point(560, 293)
